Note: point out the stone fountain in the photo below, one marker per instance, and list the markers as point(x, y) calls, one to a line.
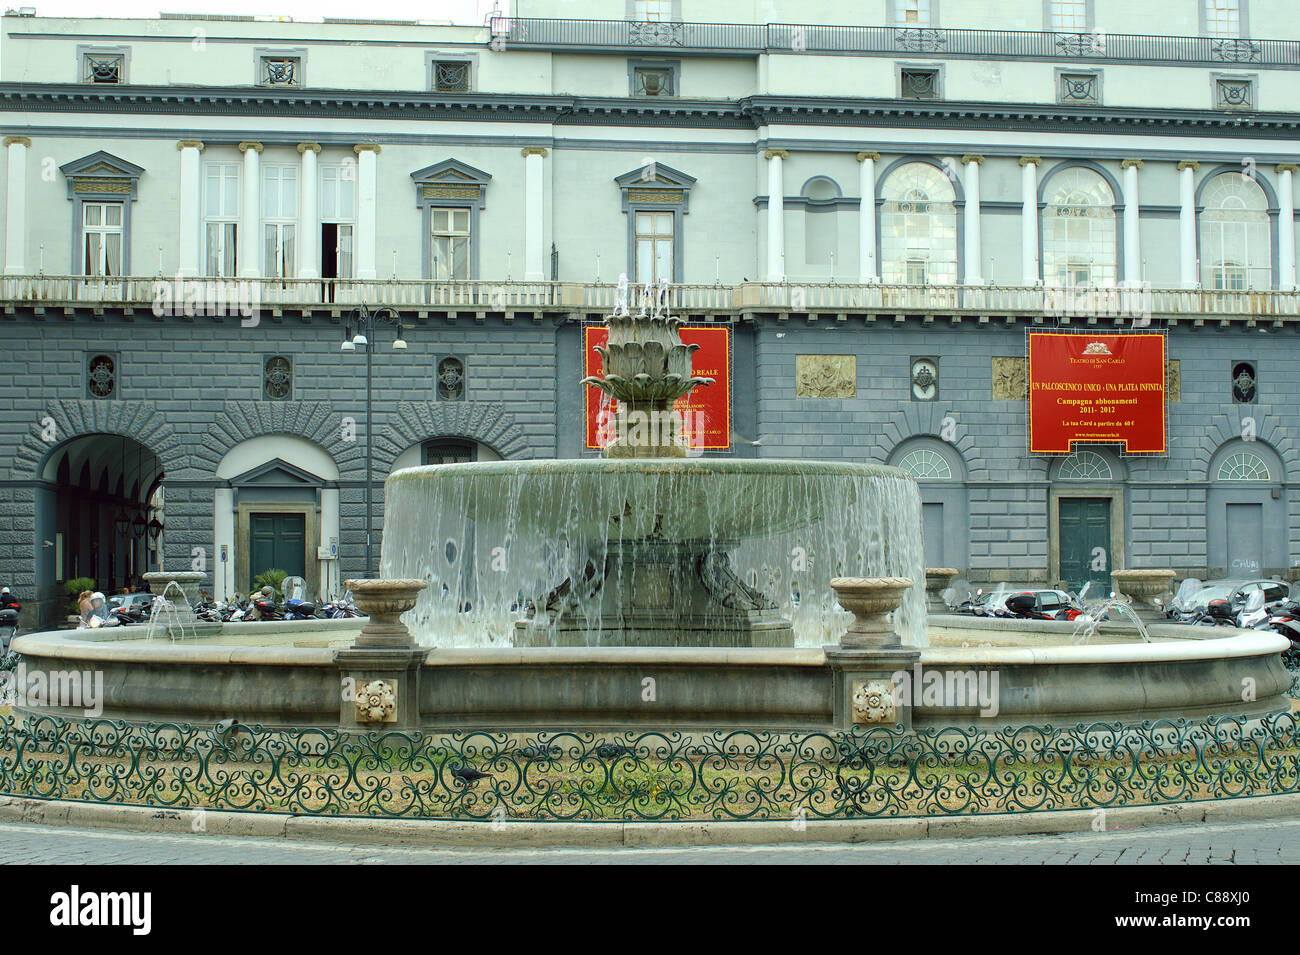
point(647, 546)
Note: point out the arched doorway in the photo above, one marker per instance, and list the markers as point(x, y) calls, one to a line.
point(99, 513)
point(276, 506)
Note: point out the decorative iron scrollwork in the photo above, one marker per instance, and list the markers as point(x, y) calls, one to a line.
point(921, 41)
point(102, 376)
point(280, 70)
point(450, 76)
point(277, 377)
point(656, 33)
point(104, 68)
point(1237, 51)
point(451, 379)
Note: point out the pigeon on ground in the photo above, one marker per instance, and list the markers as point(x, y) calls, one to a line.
point(469, 775)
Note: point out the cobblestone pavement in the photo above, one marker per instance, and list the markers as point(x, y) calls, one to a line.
point(1273, 841)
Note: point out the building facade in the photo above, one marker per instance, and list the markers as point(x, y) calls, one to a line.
point(876, 205)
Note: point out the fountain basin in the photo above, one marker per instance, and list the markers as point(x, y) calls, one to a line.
point(645, 552)
point(1042, 679)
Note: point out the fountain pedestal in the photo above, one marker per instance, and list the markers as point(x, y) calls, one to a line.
point(869, 654)
point(657, 593)
point(1142, 587)
point(937, 580)
point(379, 675)
point(183, 622)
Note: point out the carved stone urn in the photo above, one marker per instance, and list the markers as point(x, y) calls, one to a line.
point(384, 602)
point(1142, 587)
point(937, 580)
point(870, 599)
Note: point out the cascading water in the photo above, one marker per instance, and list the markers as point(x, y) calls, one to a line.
point(494, 538)
point(647, 546)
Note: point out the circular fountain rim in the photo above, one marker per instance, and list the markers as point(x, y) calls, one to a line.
point(754, 467)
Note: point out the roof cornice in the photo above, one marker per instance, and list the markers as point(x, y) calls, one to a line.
point(747, 112)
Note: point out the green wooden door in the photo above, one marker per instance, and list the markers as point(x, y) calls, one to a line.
point(1085, 542)
point(277, 541)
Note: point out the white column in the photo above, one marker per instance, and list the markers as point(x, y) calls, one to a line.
point(1187, 222)
point(973, 254)
point(191, 196)
point(250, 219)
point(16, 205)
point(1029, 219)
point(308, 212)
point(534, 233)
point(1286, 226)
point(775, 215)
point(867, 270)
point(367, 234)
point(1132, 234)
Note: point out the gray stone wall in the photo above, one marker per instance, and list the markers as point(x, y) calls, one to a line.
point(192, 390)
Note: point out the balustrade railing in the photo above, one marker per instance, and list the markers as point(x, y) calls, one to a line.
point(201, 296)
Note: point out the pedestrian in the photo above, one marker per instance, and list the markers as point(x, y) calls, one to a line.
point(84, 608)
point(8, 600)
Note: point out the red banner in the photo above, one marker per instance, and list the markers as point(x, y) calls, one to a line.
point(706, 411)
point(1096, 388)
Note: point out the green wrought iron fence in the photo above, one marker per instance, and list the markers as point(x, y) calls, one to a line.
point(555, 775)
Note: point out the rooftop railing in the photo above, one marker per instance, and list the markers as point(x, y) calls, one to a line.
point(745, 39)
point(166, 297)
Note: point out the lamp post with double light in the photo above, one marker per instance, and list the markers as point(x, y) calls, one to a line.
point(364, 320)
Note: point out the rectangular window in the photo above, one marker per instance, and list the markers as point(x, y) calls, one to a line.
point(449, 244)
point(450, 76)
point(103, 68)
point(280, 71)
point(654, 247)
point(912, 13)
point(338, 204)
point(338, 193)
point(1234, 93)
point(915, 271)
point(220, 219)
point(1223, 17)
point(1078, 89)
point(279, 219)
point(102, 238)
point(648, 81)
point(1068, 16)
point(1078, 274)
point(918, 84)
point(652, 11)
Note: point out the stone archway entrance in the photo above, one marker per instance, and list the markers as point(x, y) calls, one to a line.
point(98, 515)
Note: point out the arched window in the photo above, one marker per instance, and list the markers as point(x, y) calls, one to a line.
point(1243, 466)
point(820, 223)
point(1079, 230)
point(1085, 466)
point(926, 464)
point(1235, 244)
point(918, 227)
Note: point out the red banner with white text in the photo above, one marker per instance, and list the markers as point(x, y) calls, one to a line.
point(1096, 388)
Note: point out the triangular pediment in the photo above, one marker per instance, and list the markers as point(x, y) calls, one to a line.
point(276, 473)
point(655, 174)
point(451, 170)
point(102, 164)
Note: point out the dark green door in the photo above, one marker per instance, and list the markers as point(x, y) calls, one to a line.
point(277, 541)
point(1085, 543)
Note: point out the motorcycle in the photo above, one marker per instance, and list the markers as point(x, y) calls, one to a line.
point(297, 609)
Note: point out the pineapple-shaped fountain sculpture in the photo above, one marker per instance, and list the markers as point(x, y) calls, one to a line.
point(646, 369)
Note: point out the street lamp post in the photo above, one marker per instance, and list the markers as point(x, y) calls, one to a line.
point(365, 319)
